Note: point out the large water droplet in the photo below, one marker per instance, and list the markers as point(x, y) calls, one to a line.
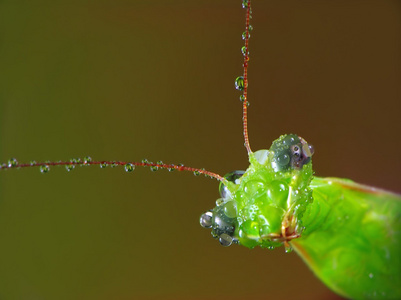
point(225, 240)
point(12, 162)
point(239, 83)
point(44, 169)
point(129, 167)
point(206, 219)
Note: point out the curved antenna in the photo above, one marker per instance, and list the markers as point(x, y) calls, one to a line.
point(245, 51)
point(44, 167)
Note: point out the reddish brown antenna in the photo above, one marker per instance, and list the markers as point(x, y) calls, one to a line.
point(44, 167)
point(241, 82)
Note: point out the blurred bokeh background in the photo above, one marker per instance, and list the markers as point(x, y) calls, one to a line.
point(127, 80)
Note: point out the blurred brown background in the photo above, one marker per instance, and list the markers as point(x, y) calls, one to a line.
point(126, 80)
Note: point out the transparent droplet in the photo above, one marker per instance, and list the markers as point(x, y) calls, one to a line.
point(197, 173)
point(32, 162)
point(288, 248)
point(154, 168)
point(113, 164)
point(87, 160)
point(242, 98)
point(129, 167)
point(103, 165)
point(225, 240)
point(243, 50)
point(12, 162)
point(206, 219)
point(69, 168)
point(244, 35)
point(44, 169)
point(219, 201)
point(159, 162)
point(145, 161)
point(250, 28)
point(239, 83)
point(245, 4)
point(171, 169)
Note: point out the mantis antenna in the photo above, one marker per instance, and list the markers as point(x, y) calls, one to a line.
point(241, 84)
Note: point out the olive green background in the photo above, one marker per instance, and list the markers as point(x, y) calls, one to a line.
point(127, 80)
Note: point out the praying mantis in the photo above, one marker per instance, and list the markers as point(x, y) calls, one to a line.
point(91, 210)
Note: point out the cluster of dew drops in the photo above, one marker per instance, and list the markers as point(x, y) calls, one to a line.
point(87, 161)
point(240, 81)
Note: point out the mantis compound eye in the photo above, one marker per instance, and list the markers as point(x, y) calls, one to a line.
point(290, 152)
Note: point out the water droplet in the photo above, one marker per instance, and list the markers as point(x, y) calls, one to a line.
point(87, 160)
point(154, 168)
point(250, 28)
point(245, 4)
point(206, 219)
point(225, 240)
point(244, 36)
point(69, 168)
point(171, 169)
point(239, 83)
point(12, 162)
point(288, 248)
point(197, 173)
point(159, 162)
point(129, 167)
point(247, 104)
point(243, 50)
point(145, 161)
point(220, 201)
point(44, 169)
point(32, 162)
point(114, 164)
point(242, 98)
point(103, 165)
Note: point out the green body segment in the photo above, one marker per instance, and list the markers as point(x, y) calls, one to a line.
point(352, 239)
point(349, 234)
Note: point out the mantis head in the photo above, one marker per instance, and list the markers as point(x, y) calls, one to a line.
point(264, 204)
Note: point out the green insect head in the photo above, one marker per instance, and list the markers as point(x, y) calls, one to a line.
point(264, 204)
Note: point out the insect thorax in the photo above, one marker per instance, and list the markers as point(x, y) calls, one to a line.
point(264, 205)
